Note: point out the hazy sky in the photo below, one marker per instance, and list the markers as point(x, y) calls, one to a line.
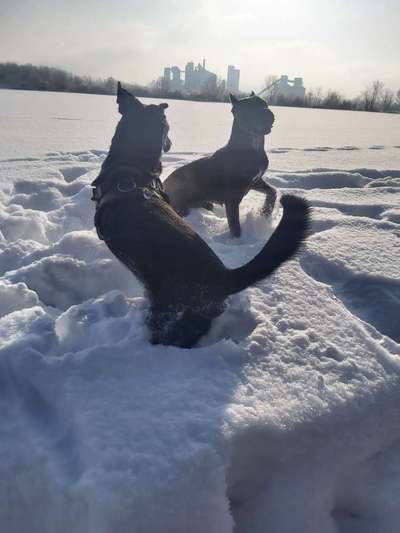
point(338, 44)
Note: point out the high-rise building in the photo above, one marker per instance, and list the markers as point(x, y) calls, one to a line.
point(232, 80)
point(291, 89)
point(176, 82)
point(189, 77)
point(197, 79)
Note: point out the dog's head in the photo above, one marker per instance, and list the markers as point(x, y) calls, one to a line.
point(253, 114)
point(143, 127)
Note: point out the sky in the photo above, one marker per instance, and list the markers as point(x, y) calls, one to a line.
point(333, 44)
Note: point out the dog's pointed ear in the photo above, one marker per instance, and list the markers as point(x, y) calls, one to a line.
point(233, 99)
point(121, 93)
point(252, 93)
point(163, 106)
point(125, 100)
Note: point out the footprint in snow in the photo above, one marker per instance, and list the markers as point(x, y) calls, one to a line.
point(73, 172)
point(375, 300)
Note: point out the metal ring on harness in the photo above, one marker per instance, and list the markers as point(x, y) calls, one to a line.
point(126, 186)
point(147, 194)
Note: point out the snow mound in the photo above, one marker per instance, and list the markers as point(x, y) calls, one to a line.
point(16, 296)
point(283, 419)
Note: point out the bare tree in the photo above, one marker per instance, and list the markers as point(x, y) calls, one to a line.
point(372, 96)
point(271, 92)
point(221, 89)
point(333, 100)
point(397, 104)
point(388, 99)
point(313, 97)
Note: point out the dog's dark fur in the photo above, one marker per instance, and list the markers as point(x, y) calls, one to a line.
point(185, 281)
point(227, 175)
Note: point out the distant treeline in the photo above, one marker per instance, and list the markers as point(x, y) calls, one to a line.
point(376, 97)
point(40, 78)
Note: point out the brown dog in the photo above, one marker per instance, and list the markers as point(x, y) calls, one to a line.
point(186, 282)
point(227, 175)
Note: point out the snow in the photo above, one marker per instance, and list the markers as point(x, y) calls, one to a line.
point(34, 123)
point(285, 417)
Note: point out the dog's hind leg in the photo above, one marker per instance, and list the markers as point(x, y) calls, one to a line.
point(208, 205)
point(179, 328)
point(232, 214)
point(182, 210)
point(204, 205)
point(259, 185)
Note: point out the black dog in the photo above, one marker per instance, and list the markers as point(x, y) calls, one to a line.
point(227, 175)
point(186, 282)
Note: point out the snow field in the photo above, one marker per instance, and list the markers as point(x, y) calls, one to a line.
point(284, 419)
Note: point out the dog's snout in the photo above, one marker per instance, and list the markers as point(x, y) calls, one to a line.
point(167, 144)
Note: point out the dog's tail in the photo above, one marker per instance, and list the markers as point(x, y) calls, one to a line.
point(283, 244)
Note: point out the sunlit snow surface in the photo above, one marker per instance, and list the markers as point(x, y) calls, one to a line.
point(285, 419)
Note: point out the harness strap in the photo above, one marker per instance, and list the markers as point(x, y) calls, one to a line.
point(107, 193)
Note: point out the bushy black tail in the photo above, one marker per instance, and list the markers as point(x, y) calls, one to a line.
point(283, 244)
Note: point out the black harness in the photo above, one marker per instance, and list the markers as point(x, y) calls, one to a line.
point(112, 191)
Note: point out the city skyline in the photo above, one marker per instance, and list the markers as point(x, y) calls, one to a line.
point(198, 79)
point(333, 45)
